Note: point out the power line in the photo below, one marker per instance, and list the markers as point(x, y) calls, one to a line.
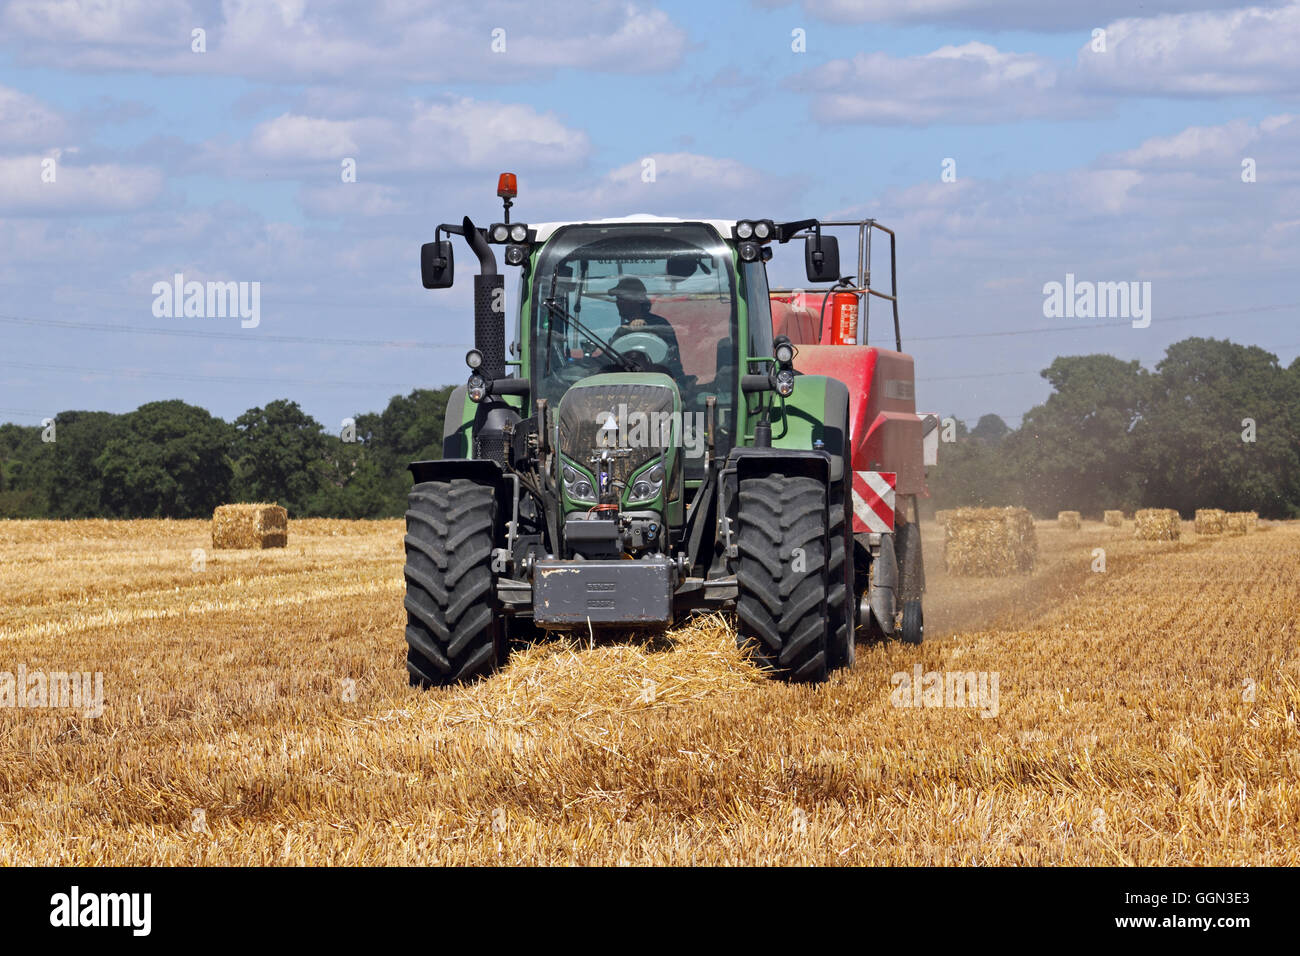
point(1039, 371)
point(410, 344)
point(228, 336)
point(1104, 325)
point(953, 378)
point(229, 379)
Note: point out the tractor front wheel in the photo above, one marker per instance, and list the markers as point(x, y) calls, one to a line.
point(453, 626)
point(781, 571)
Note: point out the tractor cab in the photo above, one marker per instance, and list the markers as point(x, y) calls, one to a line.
point(617, 297)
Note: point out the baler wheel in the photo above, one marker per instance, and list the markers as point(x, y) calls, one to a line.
point(453, 627)
point(913, 629)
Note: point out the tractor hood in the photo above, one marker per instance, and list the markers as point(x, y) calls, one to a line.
point(628, 426)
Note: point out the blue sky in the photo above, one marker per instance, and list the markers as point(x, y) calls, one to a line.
point(1115, 165)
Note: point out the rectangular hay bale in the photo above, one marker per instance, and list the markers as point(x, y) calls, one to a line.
point(989, 541)
point(1210, 520)
point(250, 526)
point(1157, 524)
point(1114, 519)
point(1236, 522)
point(1068, 520)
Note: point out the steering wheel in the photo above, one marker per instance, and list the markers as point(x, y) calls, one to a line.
point(652, 346)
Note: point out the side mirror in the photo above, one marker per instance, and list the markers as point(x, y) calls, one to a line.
point(437, 265)
point(822, 265)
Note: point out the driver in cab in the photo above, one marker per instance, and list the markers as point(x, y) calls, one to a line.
point(635, 316)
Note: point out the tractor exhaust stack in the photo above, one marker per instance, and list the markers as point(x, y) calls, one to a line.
point(489, 306)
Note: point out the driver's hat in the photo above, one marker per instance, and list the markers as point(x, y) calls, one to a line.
point(629, 290)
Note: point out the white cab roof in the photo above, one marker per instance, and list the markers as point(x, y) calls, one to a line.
point(546, 229)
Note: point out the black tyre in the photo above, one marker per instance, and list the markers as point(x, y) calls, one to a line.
point(453, 625)
point(911, 569)
point(781, 609)
point(913, 629)
point(841, 602)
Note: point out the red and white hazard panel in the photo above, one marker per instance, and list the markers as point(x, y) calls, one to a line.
point(873, 501)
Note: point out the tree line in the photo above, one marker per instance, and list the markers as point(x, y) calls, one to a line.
point(170, 459)
point(1215, 424)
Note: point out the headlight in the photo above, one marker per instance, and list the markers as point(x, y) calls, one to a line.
point(744, 229)
point(576, 485)
point(519, 232)
point(763, 229)
point(784, 353)
point(500, 232)
point(648, 486)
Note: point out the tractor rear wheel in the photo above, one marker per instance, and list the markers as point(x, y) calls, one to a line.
point(841, 602)
point(453, 628)
point(781, 571)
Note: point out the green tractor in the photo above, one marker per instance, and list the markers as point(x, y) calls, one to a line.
point(643, 447)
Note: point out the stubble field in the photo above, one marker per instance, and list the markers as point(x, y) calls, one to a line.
point(256, 711)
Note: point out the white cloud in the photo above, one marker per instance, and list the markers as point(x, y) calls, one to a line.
point(145, 22)
point(76, 190)
point(353, 199)
point(1247, 51)
point(997, 14)
point(459, 135)
point(1172, 207)
point(683, 184)
point(306, 138)
point(1194, 144)
point(335, 41)
point(26, 121)
point(1211, 155)
point(971, 83)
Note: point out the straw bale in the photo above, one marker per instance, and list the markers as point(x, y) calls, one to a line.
point(250, 526)
point(1157, 524)
point(1209, 520)
point(989, 541)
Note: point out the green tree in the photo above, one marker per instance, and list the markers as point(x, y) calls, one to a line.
point(164, 460)
point(20, 493)
point(408, 429)
point(351, 485)
point(971, 470)
point(67, 473)
point(279, 454)
point(990, 429)
point(1076, 450)
point(1211, 398)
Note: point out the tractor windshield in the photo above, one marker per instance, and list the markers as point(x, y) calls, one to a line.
point(637, 296)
